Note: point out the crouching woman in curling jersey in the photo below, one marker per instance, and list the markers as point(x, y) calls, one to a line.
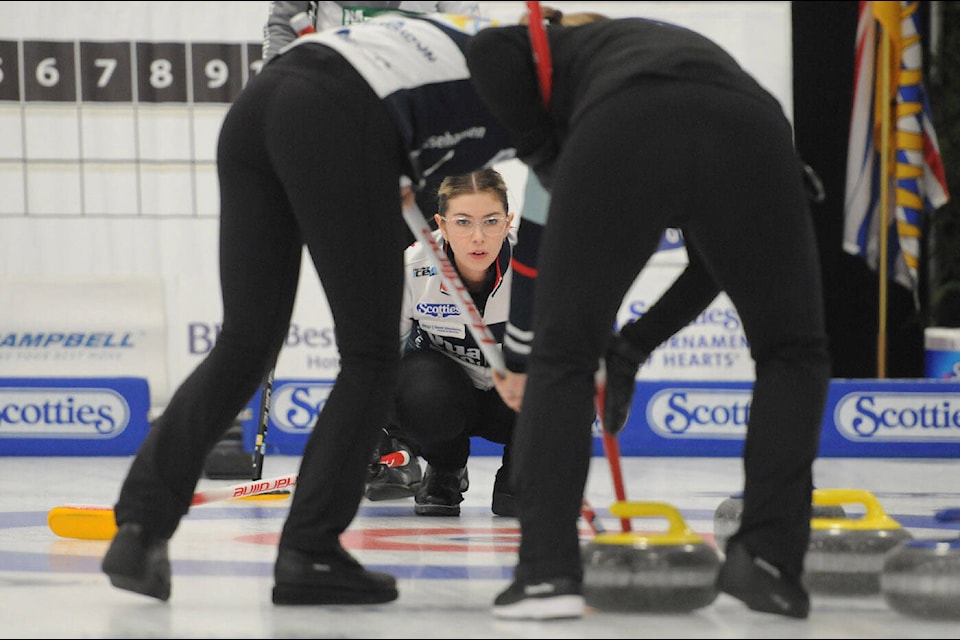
point(446, 393)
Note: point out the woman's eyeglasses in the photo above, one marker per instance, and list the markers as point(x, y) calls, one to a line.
point(463, 225)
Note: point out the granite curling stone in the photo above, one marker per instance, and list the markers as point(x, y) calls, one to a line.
point(668, 571)
point(846, 555)
point(921, 578)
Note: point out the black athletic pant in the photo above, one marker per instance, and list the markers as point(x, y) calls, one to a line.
point(307, 156)
point(439, 409)
point(722, 167)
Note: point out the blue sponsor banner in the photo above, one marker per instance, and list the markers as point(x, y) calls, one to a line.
point(73, 416)
point(916, 418)
point(892, 419)
point(294, 407)
point(684, 418)
point(909, 418)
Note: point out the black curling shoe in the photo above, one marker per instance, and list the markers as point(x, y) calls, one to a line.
point(441, 492)
point(760, 585)
point(138, 563)
point(333, 577)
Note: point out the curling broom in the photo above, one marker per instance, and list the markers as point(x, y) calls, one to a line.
point(88, 522)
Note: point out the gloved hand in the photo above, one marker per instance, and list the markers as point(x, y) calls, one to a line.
point(622, 360)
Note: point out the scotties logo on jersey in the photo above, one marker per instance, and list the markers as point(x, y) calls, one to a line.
point(438, 310)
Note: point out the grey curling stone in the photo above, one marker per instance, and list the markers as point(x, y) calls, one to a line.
point(726, 518)
point(229, 460)
point(846, 555)
point(665, 572)
point(921, 578)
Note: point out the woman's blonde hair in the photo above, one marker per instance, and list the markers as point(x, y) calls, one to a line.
point(482, 181)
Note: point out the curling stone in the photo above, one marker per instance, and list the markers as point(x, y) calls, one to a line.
point(726, 518)
point(846, 555)
point(228, 460)
point(922, 578)
point(664, 572)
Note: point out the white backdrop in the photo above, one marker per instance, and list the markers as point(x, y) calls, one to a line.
point(126, 187)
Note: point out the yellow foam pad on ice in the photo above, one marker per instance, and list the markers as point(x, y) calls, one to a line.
point(273, 495)
point(83, 523)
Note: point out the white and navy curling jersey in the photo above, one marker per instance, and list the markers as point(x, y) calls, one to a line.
point(431, 318)
point(416, 65)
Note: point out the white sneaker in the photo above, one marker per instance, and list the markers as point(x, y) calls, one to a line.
point(545, 600)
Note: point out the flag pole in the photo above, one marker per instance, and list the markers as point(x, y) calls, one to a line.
point(883, 268)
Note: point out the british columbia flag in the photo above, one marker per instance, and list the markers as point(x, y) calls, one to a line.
point(915, 178)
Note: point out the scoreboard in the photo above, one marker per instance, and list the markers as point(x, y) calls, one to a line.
point(127, 72)
point(115, 128)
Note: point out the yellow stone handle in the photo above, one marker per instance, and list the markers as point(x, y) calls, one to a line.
point(677, 532)
point(874, 517)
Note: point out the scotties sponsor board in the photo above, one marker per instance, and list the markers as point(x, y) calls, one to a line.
point(863, 418)
point(73, 416)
